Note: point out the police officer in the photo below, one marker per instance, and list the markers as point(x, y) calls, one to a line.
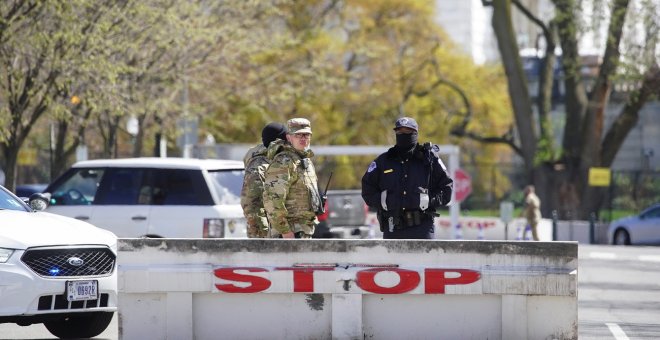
point(256, 162)
point(406, 185)
point(291, 196)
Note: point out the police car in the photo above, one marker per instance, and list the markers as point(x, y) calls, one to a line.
point(55, 270)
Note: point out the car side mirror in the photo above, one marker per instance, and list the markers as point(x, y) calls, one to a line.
point(39, 201)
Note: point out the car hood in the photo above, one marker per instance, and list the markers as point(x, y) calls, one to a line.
point(21, 230)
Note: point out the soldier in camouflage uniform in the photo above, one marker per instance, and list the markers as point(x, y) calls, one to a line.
point(291, 196)
point(256, 163)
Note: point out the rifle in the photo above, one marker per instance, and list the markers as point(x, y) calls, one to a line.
point(324, 196)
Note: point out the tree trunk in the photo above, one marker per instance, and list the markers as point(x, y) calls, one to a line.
point(59, 159)
point(629, 115)
point(63, 151)
point(564, 184)
point(10, 159)
point(576, 95)
point(592, 126)
point(110, 137)
point(62, 154)
point(517, 83)
point(139, 137)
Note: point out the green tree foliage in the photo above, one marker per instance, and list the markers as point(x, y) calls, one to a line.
point(353, 68)
point(90, 66)
point(41, 44)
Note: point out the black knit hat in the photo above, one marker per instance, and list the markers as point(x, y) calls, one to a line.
point(271, 132)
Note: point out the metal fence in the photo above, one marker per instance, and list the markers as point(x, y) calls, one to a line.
point(629, 191)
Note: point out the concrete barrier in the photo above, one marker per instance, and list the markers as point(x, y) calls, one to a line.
point(346, 289)
point(474, 228)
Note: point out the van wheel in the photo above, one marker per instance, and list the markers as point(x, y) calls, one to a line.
point(621, 237)
point(82, 325)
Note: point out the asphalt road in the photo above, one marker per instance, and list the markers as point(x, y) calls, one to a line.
point(618, 297)
point(619, 292)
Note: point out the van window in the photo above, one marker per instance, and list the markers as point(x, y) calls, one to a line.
point(76, 187)
point(120, 187)
point(227, 185)
point(180, 187)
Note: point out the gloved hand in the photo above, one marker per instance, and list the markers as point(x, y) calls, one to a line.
point(435, 201)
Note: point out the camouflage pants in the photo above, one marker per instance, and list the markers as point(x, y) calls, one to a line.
point(257, 227)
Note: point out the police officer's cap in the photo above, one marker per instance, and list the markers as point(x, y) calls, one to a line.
point(405, 122)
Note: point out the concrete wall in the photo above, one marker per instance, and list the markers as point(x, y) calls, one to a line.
point(346, 289)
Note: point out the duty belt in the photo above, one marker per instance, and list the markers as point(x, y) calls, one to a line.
point(411, 219)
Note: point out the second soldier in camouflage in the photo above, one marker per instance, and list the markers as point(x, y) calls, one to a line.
point(256, 162)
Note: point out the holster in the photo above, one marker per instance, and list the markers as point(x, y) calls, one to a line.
point(403, 219)
point(383, 219)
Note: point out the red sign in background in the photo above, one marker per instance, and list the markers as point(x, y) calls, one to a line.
point(462, 185)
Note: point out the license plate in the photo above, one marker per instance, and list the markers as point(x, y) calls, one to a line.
point(82, 290)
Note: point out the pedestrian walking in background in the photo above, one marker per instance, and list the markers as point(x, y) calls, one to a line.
point(256, 162)
point(532, 211)
point(291, 196)
point(407, 184)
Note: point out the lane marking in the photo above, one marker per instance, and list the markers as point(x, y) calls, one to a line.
point(602, 255)
point(649, 258)
point(618, 333)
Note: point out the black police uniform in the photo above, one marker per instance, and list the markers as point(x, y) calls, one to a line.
point(403, 177)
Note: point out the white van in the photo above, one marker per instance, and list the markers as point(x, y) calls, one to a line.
point(154, 197)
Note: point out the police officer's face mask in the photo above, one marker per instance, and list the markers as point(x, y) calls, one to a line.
point(406, 141)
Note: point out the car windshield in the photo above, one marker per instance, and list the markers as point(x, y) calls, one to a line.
point(653, 212)
point(227, 185)
point(9, 202)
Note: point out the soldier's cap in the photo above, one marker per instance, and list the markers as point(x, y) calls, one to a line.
point(405, 122)
point(299, 125)
point(271, 132)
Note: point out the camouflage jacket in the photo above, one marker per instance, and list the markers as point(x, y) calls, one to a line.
point(252, 192)
point(291, 196)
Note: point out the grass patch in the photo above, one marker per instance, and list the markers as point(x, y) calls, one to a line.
point(604, 214)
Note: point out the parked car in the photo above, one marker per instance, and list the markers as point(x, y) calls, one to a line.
point(346, 215)
point(154, 197)
point(638, 229)
point(26, 190)
point(55, 270)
